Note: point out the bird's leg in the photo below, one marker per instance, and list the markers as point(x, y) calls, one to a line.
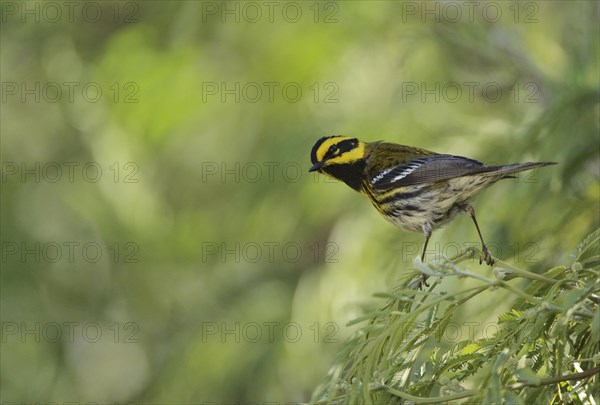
point(485, 253)
point(427, 232)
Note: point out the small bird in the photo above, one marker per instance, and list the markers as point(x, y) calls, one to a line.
point(416, 189)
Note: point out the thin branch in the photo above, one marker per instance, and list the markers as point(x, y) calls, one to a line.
point(528, 297)
point(429, 400)
point(516, 272)
point(554, 380)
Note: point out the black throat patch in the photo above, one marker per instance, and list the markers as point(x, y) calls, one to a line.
point(350, 173)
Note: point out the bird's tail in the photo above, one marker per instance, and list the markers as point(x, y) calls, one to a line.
point(508, 170)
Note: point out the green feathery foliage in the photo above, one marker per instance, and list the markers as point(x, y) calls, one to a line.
point(545, 349)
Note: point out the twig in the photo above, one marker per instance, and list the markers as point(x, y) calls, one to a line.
point(428, 400)
point(553, 380)
point(516, 271)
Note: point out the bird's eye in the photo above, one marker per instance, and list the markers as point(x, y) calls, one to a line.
point(333, 149)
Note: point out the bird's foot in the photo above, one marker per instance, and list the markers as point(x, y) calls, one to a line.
point(418, 282)
point(486, 256)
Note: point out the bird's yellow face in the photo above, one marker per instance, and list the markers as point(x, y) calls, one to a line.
point(336, 150)
point(340, 157)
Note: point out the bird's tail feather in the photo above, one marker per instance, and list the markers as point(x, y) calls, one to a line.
point(508, 170)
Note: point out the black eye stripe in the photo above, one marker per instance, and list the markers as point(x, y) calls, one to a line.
point(340, 148)
point(317, 146)
point(334, 150)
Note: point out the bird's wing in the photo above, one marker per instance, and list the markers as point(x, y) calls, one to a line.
point(425, 169)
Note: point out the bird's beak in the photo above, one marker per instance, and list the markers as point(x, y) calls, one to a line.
point(316, 166)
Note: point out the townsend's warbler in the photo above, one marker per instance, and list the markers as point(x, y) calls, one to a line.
point(415, 189)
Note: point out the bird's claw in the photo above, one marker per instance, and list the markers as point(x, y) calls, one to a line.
point(419, 282)
point(486, 256)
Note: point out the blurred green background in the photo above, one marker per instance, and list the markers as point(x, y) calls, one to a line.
point(162, 240)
